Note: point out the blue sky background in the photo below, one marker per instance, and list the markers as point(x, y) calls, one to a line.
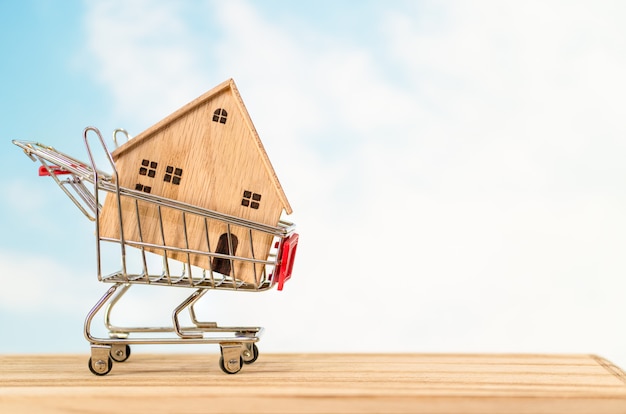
point(456, 168)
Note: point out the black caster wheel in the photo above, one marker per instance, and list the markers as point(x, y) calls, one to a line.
point(231, 367)
point(250, 355)
point(100, 367)
point(120, 353)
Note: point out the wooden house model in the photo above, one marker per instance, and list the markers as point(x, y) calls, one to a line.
point(207, 154)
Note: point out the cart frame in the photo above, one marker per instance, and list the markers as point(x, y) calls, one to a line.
point(238, 343)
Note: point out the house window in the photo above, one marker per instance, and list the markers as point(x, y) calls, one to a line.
point(144, 188)
point(148, 168)
point(173, 175)
point(251, 199)
point(220, 115)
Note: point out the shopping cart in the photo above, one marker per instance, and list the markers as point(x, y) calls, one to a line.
point(85, 185)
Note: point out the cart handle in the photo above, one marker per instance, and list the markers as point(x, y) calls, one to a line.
point(96, 192)
point(123, 131)
point(287, 257)
point(48, 170)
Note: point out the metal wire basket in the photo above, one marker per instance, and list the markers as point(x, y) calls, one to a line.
point(86, 186)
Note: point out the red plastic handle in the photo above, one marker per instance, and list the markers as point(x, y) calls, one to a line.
point(287, 257)
point(56, 170)
point(44, 170)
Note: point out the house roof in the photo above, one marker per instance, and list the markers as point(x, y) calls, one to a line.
point(226, 85)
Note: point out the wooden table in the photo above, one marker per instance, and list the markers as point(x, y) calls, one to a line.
point(316, 383)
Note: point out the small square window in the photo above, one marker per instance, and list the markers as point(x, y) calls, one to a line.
point(143, 171)
point(145, 163)
point(153, 164)
point(147, 189)
point(251, 199)
point(173, 175)
point(151, 173)
point(138, 187)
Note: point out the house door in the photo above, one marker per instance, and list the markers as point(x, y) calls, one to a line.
point(228, 246)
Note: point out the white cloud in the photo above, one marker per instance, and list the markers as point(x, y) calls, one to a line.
point(535, 69)
point(33, 284)
point(141, 53)
point(481, 186)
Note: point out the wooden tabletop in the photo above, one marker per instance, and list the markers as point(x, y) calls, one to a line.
point(316, 383)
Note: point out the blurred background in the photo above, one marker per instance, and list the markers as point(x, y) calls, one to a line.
point(456, 168)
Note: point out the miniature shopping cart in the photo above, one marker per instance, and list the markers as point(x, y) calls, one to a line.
point(175, 265)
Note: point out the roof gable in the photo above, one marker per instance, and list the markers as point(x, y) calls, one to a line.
point(225, 87)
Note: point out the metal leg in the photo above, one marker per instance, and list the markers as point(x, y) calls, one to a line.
point(193, 298)
point(104, 299)
point(194, 319)
point(115, 331)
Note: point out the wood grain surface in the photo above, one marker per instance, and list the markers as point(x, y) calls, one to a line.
point(193, 158)
point(316, 383)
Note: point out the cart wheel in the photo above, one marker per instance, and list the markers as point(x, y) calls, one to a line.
point(232, 367)
point(100, 367)
point(120, 353)
point(250, 354)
